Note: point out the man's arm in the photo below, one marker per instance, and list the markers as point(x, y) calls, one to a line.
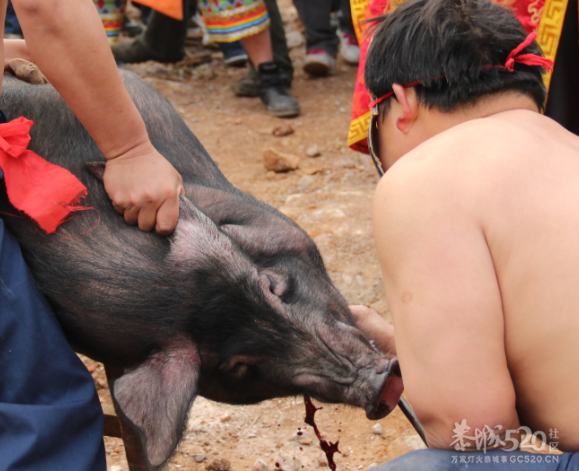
point(65, 38)
point(445, 301)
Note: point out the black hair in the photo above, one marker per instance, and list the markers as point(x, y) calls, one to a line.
point(446, 44)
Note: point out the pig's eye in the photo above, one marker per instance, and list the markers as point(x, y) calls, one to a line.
point(238, 370)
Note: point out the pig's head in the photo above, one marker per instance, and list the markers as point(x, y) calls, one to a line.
point(277, 325)
point(265, 321)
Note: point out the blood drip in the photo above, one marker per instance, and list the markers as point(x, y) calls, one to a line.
point(328, 448)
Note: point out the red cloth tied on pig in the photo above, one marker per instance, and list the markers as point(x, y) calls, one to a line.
point(44, 191)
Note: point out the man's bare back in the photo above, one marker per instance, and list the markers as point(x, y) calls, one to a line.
point(478, 234)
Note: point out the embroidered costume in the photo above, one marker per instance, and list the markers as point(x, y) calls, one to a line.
point(231, 20)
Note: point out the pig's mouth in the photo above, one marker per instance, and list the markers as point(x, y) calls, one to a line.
point(377, 393)
point(389, 396)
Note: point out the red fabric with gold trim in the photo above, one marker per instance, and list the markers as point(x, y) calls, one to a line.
point(44, 191)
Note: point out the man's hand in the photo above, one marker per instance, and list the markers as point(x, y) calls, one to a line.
point(145, 188)
point(376, 328)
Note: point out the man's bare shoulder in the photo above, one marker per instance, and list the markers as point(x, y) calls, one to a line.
point(470, 160)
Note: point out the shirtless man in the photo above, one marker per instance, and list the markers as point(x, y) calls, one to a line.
point(476, 223)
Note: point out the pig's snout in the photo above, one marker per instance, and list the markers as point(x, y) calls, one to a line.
point(389, 387)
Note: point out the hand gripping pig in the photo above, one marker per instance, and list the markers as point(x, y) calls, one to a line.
point(235, 305)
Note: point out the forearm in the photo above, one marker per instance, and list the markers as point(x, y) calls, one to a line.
point(15, 49)
point(65, 38)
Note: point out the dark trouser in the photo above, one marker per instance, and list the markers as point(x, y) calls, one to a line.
point(563, 101)
point(50, 415)
point(315, 15)
point(447, 460)
point(11, 25)
point(166, 36)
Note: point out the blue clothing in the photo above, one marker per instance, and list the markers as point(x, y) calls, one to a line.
point(50, 414)
point(496, 460)
point(11, 24)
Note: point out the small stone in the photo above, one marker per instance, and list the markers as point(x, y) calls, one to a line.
point(251, 435)
point(115, 467)
point(299, 435)
point(306, 181)
point(219, 464)
point(322, 462)
point(345, 454)
point(237, 121)
point(226, 417)
point(200, 458)
point(294, 39)
point(372, 466)
point(313, 151)
point(278, 162)
point(305, 441)
point(259, 465)
point(377, 429)
point(283, 130)
point(286, 462)
point(312, 170)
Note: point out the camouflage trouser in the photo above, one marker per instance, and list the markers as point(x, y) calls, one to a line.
point(448, 460)
point(50, 415)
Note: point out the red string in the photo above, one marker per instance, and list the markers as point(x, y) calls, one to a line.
point(83, 208)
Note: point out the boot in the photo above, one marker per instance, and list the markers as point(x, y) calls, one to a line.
point(249, 85)
point(274, 94)
point(137, 51)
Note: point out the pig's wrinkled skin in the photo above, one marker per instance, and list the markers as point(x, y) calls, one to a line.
point(235, 305)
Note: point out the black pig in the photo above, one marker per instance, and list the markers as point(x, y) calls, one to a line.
point(235, 305)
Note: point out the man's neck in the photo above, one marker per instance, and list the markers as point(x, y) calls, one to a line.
point(436, 121)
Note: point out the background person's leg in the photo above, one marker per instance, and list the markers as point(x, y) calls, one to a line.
point(162, 41)
point(249, 85)
point(50, 414)
point(321, 39)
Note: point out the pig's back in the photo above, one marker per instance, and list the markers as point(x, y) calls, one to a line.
point(73, 145)
point(96, 255)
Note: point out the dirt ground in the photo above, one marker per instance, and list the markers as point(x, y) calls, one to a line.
point(330, 197)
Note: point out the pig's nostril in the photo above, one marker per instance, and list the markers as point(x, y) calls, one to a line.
point(395, 368)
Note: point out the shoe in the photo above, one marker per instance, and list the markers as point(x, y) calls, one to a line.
point(248, 86)
point(319, 63)
point(274, 94)
point(349, 48)
point(131, 28)
point(137, 51)
point(233, 54)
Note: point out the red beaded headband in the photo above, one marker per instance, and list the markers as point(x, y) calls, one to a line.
point(527, 59)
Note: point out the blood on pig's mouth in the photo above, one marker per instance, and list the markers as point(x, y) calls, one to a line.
point(328, 448)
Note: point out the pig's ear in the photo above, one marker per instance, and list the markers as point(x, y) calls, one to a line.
point(157, 395)
point(97, 169)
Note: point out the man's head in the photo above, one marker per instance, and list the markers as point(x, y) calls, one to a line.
point(455, 50)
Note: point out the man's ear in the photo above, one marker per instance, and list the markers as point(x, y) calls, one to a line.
point(407, 99)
